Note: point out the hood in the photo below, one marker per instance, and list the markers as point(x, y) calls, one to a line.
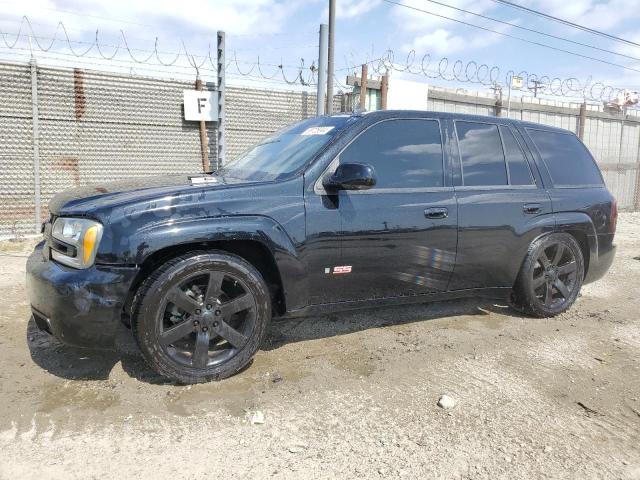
point(83, 199)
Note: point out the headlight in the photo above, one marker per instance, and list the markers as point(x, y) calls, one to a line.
point(79, 240)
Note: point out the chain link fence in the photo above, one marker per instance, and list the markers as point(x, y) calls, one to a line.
point(96, 126)
point(612, 137)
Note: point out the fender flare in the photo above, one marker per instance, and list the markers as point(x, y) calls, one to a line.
point(156, 237)
point(580, 222)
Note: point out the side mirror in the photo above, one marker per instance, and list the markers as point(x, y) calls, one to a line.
point(350, 176)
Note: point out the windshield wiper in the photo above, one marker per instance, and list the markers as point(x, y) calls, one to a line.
point(269, 142)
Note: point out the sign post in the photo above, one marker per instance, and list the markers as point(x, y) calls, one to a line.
point(208, 106)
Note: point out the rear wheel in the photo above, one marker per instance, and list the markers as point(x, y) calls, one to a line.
point(551, 276)
point(201, 316)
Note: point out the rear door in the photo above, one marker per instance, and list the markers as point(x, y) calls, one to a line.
point(501, 204)
point(399, 237)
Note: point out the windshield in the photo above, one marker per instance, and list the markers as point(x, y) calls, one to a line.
point(287, 150)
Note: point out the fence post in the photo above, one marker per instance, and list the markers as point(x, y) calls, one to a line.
point(204, 142)
point(363, 86)
point(221, 93)
point(322, 70)
point(636, 203)
point(582, 119)
point(36, 143)
point(499, 105)
point(384, 89)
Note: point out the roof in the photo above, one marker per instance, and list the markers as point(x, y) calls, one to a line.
point(384, 114)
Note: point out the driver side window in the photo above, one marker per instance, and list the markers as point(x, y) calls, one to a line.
point(403, 153)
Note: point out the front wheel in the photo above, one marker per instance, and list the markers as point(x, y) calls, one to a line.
point(201, 316)
point(551, 276)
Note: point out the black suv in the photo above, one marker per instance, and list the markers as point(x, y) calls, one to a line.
point(333, 212)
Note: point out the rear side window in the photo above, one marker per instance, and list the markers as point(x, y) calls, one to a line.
point(404, 153)
point(519, 171)
point(481, 154)
point(567, 159)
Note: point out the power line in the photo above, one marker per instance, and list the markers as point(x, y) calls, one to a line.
point(87, 15)
point(519, 27)
point(544, 45)
point(566, 22)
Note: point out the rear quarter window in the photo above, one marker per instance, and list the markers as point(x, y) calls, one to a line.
point(567, 159)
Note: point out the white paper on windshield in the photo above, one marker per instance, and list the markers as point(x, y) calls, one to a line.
point(200, 180)
point(317, 131)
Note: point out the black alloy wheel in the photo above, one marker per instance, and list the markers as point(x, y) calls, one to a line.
point(554, 276)
point(551, 275)
point(202, 316)
point(206, 319)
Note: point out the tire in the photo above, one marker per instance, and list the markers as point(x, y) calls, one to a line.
point(201, 316)
point(550, 277)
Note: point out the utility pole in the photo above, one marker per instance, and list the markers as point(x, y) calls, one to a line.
point(332, 30)
point(536, 87)
point(363, 87)
point(322, 70)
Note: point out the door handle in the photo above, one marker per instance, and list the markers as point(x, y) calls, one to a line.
point(531, 208)
point(436, 213)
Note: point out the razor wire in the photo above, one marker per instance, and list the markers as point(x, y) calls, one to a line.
point(301, 74)
point(61, 44)
point(478, 73)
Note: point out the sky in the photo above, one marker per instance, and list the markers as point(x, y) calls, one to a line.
point(285, 32)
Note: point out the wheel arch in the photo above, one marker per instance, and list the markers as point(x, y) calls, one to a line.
point(259, 240)
point(580, 226)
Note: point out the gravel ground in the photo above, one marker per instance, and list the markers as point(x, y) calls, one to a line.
point(344, 396)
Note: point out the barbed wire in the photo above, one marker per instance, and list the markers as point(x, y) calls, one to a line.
point(479, 73)
point(301, 74)
point(61, 44)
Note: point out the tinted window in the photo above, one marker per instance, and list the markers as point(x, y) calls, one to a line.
point(404, 153)
point(567, 159)
point(481, 154)
point(519, 172)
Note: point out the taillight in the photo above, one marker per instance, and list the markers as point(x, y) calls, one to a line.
point(614, 215)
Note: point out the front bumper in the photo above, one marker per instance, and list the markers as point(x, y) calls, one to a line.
point(79, 307)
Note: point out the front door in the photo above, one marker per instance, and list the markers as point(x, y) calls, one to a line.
point(399, 237)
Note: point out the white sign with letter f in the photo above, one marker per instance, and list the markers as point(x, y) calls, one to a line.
point(201, 105)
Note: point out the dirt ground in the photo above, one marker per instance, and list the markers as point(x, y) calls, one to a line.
point(344, 396)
